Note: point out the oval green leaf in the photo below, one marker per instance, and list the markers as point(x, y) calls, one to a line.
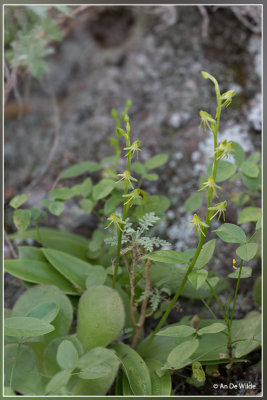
point(249, 214)
point(67, 355)
point(103, 189)
point(198, 278)
point(135, 369)
point(79, 169)
point(167, 256)
point(56, 208)
point(38, 272)
point(22, 219)
point(58, 381)
point(18, 200)
point(178, 331)
point(213, 328)
point(238, 154)
point(47, 311)
point(231, 233)
point(194, 202)
point(87, 205)
point(97, 363)
point(156, 161)
point(46, 293)
point(100, 316)
point(206, 254)
point(26, 327)
point(179, 356)
point(245, 273)
point(72, 268)
point(161, 385)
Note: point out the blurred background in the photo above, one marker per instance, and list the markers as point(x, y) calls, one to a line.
point(67, 67)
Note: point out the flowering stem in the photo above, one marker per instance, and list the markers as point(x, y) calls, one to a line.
point(124, 216)
point(208, 219)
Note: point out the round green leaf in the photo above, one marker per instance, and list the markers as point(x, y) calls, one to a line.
point(231, 233)
point(67, 355)
point(100, 316)
point(26, 327)
point(249, 169)
point(247, 251)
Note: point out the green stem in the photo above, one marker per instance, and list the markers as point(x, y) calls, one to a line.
point(202, 237)
point(206, 305)
point(236, 291)
point(218, 301)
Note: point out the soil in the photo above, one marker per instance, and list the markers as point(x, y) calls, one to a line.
point(154, 56)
